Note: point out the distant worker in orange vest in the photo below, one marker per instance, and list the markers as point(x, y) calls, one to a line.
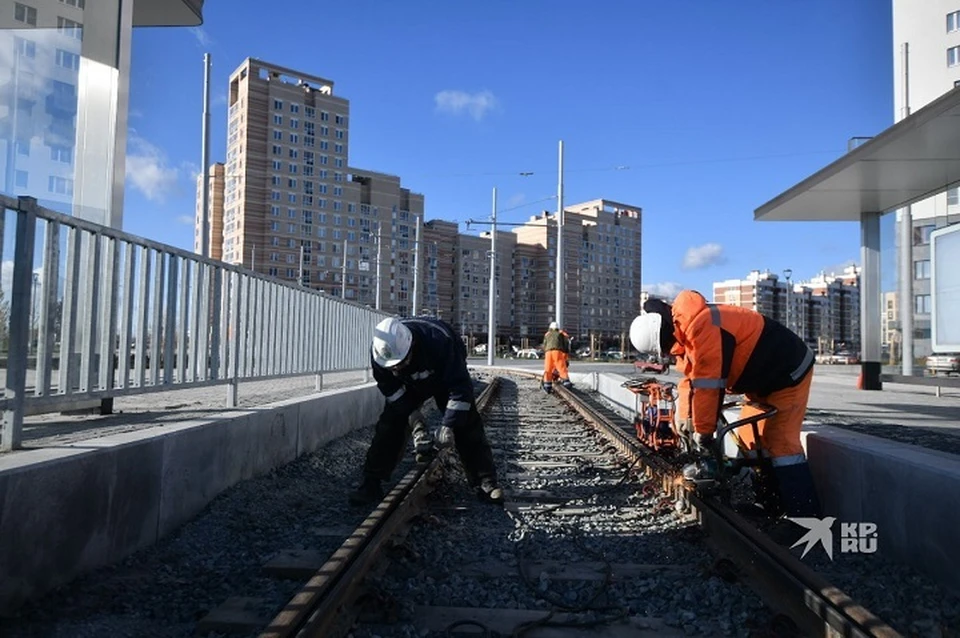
point(556, 348)
point(723, 349)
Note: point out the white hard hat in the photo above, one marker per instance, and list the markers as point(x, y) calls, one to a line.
point(391, 342)
point(553, 325)
point(645, 333)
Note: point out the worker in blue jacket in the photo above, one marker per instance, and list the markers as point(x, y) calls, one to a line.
point(413, 360)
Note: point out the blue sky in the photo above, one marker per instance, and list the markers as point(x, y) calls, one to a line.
point(714, 110)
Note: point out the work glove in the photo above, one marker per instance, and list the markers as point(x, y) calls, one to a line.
point(445, 437)
point(703, 441)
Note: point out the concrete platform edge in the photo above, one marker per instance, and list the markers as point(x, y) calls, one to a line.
point(911, 493)
point(65, 511)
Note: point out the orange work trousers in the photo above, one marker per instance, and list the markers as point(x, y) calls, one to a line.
point(780, 434)
point(555, 360)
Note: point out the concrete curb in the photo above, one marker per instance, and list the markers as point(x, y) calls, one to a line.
point(70, 509)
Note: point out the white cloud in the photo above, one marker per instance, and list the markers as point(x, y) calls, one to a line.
point(220, 99)
point(669, 289)
point(704, 256)
point(516, 200)
point(477, 105)
point(203, 38)
point(148, 169)
point(186, 220)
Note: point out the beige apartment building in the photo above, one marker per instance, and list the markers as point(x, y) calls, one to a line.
point(289, 205)
point(217, 181)
point(601, 279)
point(824, 311)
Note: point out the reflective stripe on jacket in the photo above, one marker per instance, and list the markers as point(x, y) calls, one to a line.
point(727, 348)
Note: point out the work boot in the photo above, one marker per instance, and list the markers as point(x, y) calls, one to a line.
point(547, 387)
point(566, 383)
point(798, 496)
point(489, 491)
point(368, 492)
point(445, 438)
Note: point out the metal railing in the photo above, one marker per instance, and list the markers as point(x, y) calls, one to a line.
point(107, 314)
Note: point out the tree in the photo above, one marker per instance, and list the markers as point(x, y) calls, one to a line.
point(4, 323)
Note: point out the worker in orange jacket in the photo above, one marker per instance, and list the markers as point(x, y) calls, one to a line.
point(721, 349)
point(556, 348)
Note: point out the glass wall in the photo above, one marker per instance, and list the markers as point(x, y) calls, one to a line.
point(59, 103)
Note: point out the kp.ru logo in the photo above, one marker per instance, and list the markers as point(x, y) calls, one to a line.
point(855, 538)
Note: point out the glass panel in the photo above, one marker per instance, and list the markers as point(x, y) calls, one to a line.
point(39, 75)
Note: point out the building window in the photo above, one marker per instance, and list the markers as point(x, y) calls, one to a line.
point(324, 116)
point(20, 179)
point(921, 304)
point(278, 136)
point(921, 234)
point(70, 28)
point(61, 154)
point(23, 13)
point(68, 60)
point(921, 269)
point(278, 105)
point(294, 108)
point(953, 195)
point(310, 112)
point(339, 119)
point(953, 21)
point(953, 56)
point(26, 48)
point(60, 185)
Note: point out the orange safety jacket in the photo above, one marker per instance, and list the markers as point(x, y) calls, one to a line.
point(723, 348)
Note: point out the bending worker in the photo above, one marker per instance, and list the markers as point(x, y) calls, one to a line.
point(722, 349)
point(413, 360)
point(556, 346)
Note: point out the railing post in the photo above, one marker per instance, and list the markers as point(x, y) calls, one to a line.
point(11, 427)
point(233, 334)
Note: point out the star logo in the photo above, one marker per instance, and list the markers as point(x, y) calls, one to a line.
point(819, 531)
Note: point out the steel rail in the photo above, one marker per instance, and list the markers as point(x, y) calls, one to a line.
point(316, 609)
point(812, 605)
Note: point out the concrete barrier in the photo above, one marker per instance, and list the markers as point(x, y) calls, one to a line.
point(67, 510)
point(912, 494)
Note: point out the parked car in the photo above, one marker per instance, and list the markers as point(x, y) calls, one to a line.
point(651, 364)
point(943, 364)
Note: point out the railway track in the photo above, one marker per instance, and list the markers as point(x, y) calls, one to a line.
point(597, 537)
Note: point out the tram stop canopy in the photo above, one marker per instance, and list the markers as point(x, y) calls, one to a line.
point(914, 159)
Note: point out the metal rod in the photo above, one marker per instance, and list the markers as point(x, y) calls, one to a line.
point(906, 248)
point(377, 305)
point(416, 269)
point(205, 160)
point(300, 275)
point(559, 279)
point(492, 311)
point(343, 275)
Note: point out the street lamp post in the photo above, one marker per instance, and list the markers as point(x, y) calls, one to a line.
point(787, 273)
point(558, 315)
point(492, 310)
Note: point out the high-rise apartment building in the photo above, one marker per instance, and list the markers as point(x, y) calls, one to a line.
point(601, 274)
point(824, 311)
point(440, 246)
point(926, 35)
point(215, 206)
point(293, 208)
